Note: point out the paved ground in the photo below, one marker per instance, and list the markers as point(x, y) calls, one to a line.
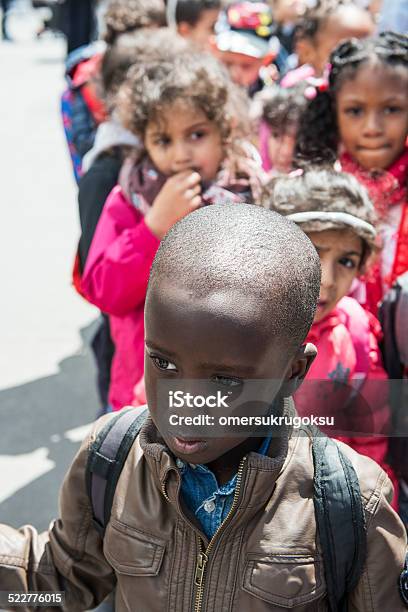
point(47, 391)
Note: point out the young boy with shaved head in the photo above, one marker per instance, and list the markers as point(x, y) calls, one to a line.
point(226, 522)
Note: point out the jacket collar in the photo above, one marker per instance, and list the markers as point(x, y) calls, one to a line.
point(259, 475)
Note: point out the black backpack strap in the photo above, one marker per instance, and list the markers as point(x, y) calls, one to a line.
point(388, 344)
point(403, 582)
point(106, 458)
point(340, 519)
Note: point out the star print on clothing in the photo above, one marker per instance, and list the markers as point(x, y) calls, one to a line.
point(340, 375)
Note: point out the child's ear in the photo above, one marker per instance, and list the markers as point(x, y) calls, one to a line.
point(184, 29)
point(298, 369)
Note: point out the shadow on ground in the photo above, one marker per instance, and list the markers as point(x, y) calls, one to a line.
point(37, 414)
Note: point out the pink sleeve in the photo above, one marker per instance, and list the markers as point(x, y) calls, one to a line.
point(119, 261)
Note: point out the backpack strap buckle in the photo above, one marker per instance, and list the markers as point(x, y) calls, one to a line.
point(403, 583)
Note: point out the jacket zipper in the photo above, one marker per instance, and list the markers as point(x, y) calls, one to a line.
point(203, 555)
point(164, 492)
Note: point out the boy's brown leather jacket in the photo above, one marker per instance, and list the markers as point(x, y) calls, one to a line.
point(263, 558)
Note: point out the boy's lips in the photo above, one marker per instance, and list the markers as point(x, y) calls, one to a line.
point(187, 447)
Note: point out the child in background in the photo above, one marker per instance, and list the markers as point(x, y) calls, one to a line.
point(277, 114)
point(81, 104)
point(320, 30)
point(113, 142)
point(194, 19)
point(181, 112)
point(363, 120)
point(245, 44)
point(103, 162)
point(286, 14)
point(337, 215)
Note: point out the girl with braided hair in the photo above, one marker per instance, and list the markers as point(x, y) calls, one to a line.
point(361, 119)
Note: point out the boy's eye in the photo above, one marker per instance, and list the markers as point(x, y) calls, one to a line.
point(163, 364)
point(348, 263)
point(227, 381)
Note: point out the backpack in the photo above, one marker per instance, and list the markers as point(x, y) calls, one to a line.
point(68, 99)
point(337, 500)
point(393, 315)
point(80, 113)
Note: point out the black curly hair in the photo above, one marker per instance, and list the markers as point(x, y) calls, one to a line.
point(318, 137)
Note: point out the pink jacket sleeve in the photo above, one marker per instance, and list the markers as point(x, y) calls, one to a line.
point(119, 261)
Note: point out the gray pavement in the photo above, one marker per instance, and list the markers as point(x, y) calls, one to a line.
point(47, 391)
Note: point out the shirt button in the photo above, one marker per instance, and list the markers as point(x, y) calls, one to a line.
point(209, 506)
point(179, 463)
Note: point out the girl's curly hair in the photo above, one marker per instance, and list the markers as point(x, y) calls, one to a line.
point(318, 137)
point(128, 15)
point(321, 188)
point(136, 48)
point(197, 79)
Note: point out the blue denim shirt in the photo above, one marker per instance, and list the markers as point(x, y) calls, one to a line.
point(202, 494)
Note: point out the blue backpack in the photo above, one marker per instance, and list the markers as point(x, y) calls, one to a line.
point(78, 122)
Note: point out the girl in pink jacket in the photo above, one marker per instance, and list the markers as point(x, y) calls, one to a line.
point(346, 383)
point(180, 110)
